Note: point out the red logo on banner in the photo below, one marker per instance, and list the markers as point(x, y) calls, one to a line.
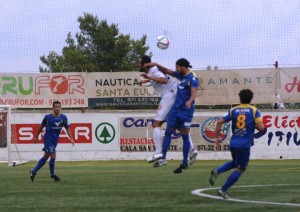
point(289, 87)
point(24, 133)
point(59, 84)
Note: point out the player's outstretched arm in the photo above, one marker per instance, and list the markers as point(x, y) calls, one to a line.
point(160, 80)
point(70, 135)
point(160, 67)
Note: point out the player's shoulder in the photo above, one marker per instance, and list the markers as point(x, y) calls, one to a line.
point(49, 115)
point(154, 69)
point(63, 115)
point(192, 75)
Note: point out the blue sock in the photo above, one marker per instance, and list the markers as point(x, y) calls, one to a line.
point(166, 142)
point(51, 166)
point(225, 167)
point(232, 179)
point(186, 148)
point(40, 164)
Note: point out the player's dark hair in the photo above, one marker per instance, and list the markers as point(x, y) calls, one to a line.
point(246, 95)
point(56, 102)
point(183, 62)
point(145, 59)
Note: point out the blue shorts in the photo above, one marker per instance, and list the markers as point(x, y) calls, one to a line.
point(49, 147)
point(180, 118)
point(240, 157)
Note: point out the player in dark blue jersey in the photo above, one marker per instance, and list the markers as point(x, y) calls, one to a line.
point(244, 119)
point(181, 114)
point(53, 123)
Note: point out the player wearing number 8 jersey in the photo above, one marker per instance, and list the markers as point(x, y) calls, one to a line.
point(244, 119)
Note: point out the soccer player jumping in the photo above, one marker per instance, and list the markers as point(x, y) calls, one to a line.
point(244, 119)
point(53, 122)
point(181, 114)
point(166, 86)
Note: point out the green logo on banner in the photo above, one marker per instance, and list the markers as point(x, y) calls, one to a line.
point(105, 133)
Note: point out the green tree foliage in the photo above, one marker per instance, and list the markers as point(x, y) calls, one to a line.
point(99, 47)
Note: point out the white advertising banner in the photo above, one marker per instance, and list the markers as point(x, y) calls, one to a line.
point(129, 136)
point(221, 87)
point(91, 132)
point(290, 85)
point(40, 90)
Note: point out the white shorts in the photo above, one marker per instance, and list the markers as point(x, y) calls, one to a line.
point(165, 106)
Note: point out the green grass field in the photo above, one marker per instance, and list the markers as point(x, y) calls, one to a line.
point(137, 186)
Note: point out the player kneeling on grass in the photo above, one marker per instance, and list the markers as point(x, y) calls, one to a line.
point(53, 122)
point(244, 118)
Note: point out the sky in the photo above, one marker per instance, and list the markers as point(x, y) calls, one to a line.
point(230, 34)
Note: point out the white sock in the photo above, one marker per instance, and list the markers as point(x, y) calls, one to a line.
point(191, 143)
point(157, 137)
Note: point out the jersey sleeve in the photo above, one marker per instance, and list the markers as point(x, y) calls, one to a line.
point(227, 117)
point(175, 74)
point(258, 117)
point(194, 82)
point(45, 121)
point(157, 73)
point(66, 123)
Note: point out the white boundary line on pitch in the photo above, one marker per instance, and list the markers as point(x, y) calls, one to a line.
point(199, 193)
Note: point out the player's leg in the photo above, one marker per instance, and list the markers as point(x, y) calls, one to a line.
point(242, 160)
point(165, 147)
point(52, 154)
point(193, 152)
point(52, 167)
point(162, 113)
point(157, 137)
point(186, 147)
point(184, 124)
point(223, 168)
point(39, 165)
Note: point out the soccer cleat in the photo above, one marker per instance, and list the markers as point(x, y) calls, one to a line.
point(180, 169)
point(32, 175)
point(159, 163)
point(155, 157)
point(223, 194)
point(55, 178)
point(192, 156)
point(213, 177)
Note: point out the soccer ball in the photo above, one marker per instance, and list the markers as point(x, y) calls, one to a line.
point(162, 42)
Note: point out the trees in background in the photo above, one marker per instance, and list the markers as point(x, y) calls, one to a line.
point(98, 47)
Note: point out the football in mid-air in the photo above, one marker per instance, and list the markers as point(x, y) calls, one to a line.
point(163, 42)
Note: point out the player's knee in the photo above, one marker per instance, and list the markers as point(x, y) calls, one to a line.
point(53, 156)
point(184, 131)
point(157, 124)
point(241, 170)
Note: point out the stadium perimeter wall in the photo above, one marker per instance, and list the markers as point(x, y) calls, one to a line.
point(127, 135)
